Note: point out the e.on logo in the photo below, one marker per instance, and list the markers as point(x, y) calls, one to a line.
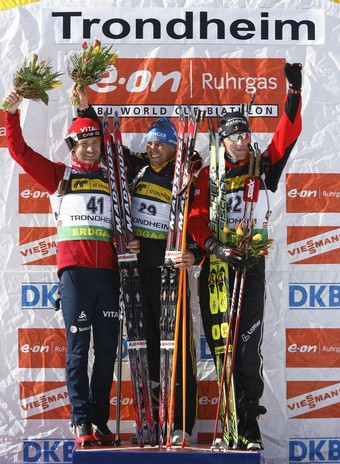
point(38, 245)
point(313, 347)
point(144, 89)
point(45, 348)
point(313, 193)
point(32, 197)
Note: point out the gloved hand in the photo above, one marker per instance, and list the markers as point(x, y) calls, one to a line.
point(229, 255)
point(195, 162)
point(293, 75)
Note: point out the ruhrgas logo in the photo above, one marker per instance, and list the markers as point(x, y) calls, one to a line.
point(313, 347)
point(313, 244)
point(38, 245)
point(144, 89)
point(313, 399)
point(32, 197)
point(44, 400)
point(313, 193)
point(44, 348)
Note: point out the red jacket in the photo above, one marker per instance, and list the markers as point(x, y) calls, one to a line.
point(74, 248)
point(274, 160)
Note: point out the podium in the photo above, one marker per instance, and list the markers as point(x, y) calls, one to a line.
point(127, 454)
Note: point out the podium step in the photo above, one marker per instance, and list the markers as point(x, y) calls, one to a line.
point(127, 454)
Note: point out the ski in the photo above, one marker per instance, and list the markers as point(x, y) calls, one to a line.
point(218, 284)
point(170, 283)
point(130, 285)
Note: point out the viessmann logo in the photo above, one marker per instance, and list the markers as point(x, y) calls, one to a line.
point(44, 400)
point(313, 399)
point(45, 348)
point(313, 244)
point(313, 348)
point(313, 193)
point(38, 245)
point(32, 197)
point(143, 89)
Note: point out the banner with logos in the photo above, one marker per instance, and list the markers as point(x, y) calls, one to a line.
point(214, 56)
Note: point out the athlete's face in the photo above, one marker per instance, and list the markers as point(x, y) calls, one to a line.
point(237, 145)
point(159, 153)
point(87, 150)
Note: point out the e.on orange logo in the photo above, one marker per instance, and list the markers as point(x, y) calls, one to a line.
point(32, 197)
point(313, 347)
point(45, 348)
point(313, 399)
point(44, 400)
point(144, 89)
point(313, 193)
point(38, 245)
point(313, 244)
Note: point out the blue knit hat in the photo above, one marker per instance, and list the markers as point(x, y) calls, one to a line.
point(162, 130)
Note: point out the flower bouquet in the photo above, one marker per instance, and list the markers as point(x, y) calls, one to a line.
point(248, 240)
point(33, 79)
point(87, 67)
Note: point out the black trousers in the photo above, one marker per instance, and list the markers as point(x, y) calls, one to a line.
point(89, 300)
point(151, 285)
point(248, 378)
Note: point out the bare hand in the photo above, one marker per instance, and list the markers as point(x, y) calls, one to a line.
point(133, 246)
point(183, 260)
point(14, 100)
point(80, 95)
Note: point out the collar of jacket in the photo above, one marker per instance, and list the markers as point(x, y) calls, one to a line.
point(238, 164)
point(80, 166)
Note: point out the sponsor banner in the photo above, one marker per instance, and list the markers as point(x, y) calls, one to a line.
point(51, 450)
point(314, 296)
point(32, 197)
point(182, 26)
point(313, 193)
point(313, 399)
point(314, 449)
point(143, 89)
point(313, 347)
point(39, 295)
point(38, 245)
point(44, 348)
point(313, 244)
point(207, 400)
point(44, 400)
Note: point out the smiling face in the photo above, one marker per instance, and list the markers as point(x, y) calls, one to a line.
point(159, 153)
point(87, 150)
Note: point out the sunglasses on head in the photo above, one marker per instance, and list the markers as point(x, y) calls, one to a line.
point(236, 137)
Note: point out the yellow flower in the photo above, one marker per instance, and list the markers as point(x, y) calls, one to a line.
point(257, 237)
point(226, 230)
point(96, 50)
point(239, 231)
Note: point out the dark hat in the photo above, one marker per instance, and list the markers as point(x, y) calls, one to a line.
point(82, 128)
point(232, 123)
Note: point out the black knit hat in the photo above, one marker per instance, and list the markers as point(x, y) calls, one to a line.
point(232, 123)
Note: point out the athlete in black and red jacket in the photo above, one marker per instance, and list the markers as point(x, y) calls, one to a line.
point(234, 135)
point(87, 265)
